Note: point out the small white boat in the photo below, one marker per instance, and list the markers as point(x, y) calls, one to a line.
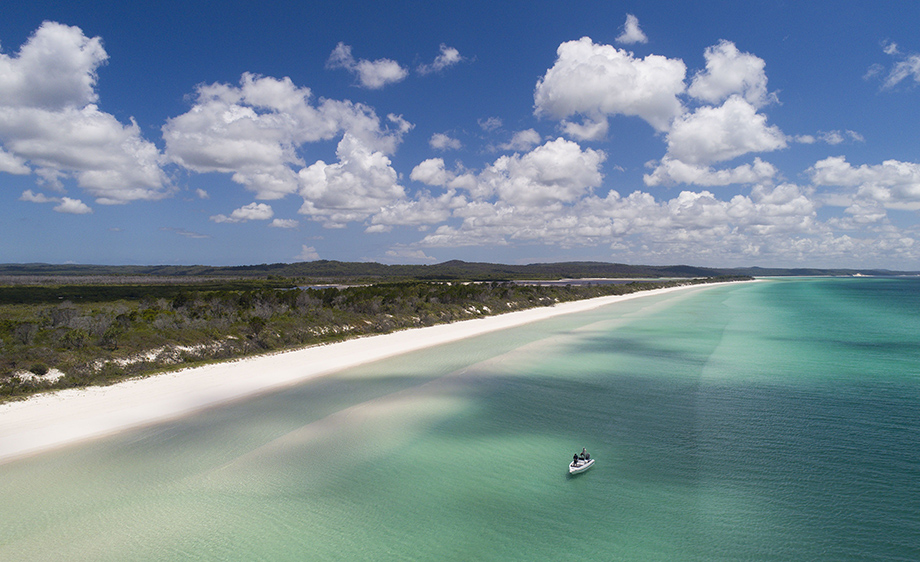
point(580, 465)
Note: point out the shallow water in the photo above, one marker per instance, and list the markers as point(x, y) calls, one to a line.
point(763, 421)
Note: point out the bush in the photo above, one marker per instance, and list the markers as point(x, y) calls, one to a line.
point(74, 338)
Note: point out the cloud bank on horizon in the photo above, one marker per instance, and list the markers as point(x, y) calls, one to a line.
point(722, 186)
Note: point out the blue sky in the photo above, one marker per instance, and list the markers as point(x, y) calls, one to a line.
point(708, 133)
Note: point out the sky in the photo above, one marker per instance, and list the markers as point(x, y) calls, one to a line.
point(725, 134)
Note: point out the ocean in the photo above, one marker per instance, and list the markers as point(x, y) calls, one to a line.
point(776, 420)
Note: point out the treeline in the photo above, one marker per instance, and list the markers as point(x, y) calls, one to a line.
point(351, 272)
point(109, 291)
point(69, 343)
point(337, 271)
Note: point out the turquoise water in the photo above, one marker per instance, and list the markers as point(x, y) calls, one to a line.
point(777, 420)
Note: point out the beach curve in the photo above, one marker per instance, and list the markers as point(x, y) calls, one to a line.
point(57, 419)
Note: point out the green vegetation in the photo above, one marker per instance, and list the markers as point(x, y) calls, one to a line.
point(336, 271)
point(78, 335)
point(325, 271)
point(107, 292)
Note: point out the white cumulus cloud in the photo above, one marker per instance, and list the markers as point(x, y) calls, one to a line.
point(441, 141)
point(894, 184)
point(50, 123)
point(839, 137)
point(557, 171)
point(587, 130)
point(730, 72)
point(631, 32)
point(371, 74)
point(489, 123)
point(422, 211)
point(670, 170)
point(54, 69)
point(547, 196)
point(359, 184)
point(522, 141)
point(692, 224)
point(250, 212)
point(431, 172)
point(13, 164)
point(256, 131)
point(284, 223)
point(715, 134)
point(596, 81)
point(307, 253)
point(403, 253)
point(73, 207)
point(32, 197)
point(449, 56)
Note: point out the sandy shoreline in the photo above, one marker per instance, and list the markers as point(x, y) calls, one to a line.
point(52, 420)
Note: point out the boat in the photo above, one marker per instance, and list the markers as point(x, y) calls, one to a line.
point(581, 463)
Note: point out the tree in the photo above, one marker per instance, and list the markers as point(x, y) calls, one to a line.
point(256, 324)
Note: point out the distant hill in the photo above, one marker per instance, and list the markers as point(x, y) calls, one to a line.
point(337, 271)
point(812, 272)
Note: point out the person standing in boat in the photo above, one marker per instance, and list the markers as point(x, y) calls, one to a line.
point(584, 453)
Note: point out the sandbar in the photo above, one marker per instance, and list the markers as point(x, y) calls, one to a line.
point(55, 419)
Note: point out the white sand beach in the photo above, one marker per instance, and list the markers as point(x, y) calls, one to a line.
point(55, 419)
